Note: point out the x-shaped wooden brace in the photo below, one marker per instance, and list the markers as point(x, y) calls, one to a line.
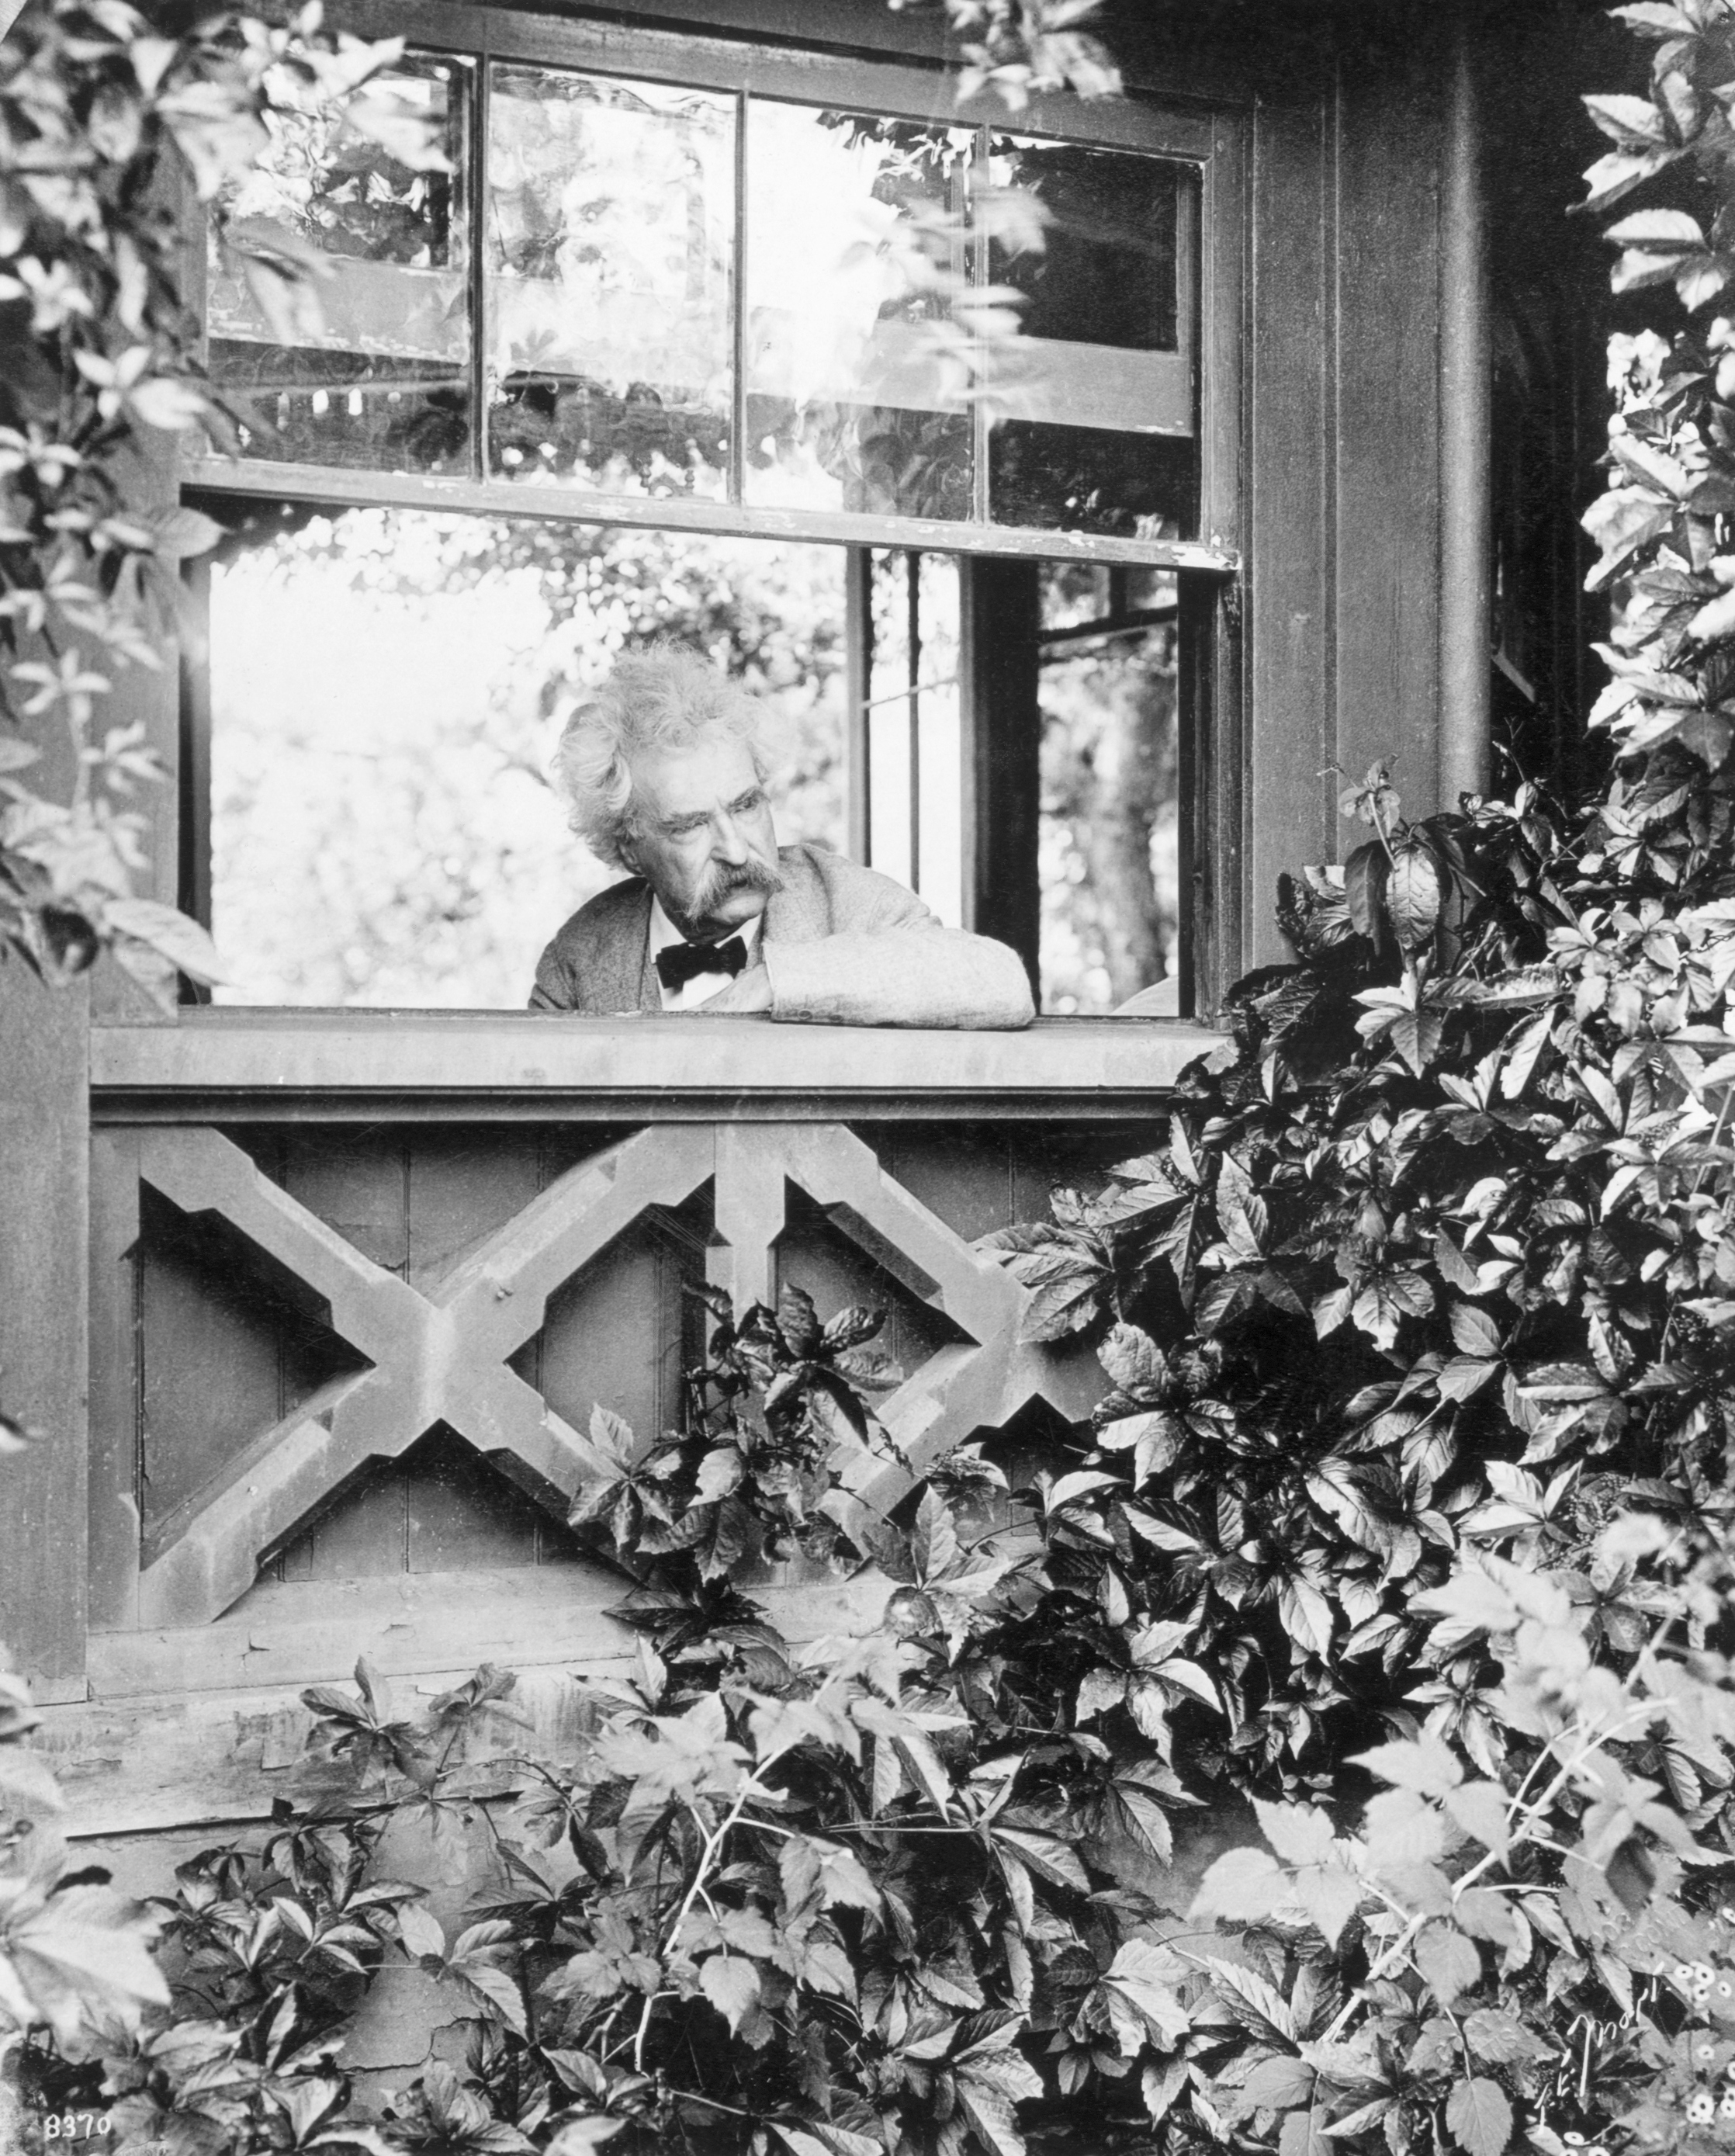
point(959, 1389)
point(442, 1357)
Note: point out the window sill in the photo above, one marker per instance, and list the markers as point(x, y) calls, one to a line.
point(234, 1066)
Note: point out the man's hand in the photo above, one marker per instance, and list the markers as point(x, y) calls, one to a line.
point(750, 991)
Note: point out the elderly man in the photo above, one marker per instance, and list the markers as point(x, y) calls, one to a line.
point(664, 776)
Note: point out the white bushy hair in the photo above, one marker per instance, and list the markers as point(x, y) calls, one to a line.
point(667, 697)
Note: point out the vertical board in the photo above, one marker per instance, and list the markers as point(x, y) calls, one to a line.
point(1003, 754)
point(1289, 624)
point(1388, 415)
point(115, 1431)
point(44, 1348)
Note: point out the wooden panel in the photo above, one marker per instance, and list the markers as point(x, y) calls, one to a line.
point(1290, 618)
point(1388, 550)
point(463, 1187)
point(612, 1337)
point(441, 1508)
point(462, 1515)
point(357, 1183)
point(151, 700)
point(963, 1175)
point(207, 1724)
point(224, 1353)
point(44, 1281)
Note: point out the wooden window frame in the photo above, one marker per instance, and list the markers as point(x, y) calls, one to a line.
point(1000, 721)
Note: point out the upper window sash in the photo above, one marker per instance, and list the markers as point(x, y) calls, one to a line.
point(1111, 426)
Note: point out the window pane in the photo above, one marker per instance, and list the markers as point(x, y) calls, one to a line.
point(1093, 401)
point(386, 690)
point(610, 244)
point(915, 761)
point(854, 388)
point(379, 377)
point(1111, 888)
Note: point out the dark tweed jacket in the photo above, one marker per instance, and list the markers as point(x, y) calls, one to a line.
point(842, 946)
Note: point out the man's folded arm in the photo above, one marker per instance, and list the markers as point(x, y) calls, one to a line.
point(911, 974)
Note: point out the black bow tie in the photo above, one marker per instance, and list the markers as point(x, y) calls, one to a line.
point(678, 963)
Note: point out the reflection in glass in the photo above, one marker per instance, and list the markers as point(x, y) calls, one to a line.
point(608, 249)
point(1086, 479)
point(1108, 860)
point(1093, 403)
point(855, 380)
point(377, 376)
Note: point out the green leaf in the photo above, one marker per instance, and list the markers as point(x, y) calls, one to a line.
point(1048, 1857)
point(1501, 2038)
point(179, 938)
point(1306, 1616)
point(1245, 1885)
point(1299, 1833)
point(1246, 1992)
point(732, 1984)
point(1280, 2084)
point(1415, 894)
point(1365, 875)
point(181, 534)
point(1449, 1962)
point(1304, 2132)
point(1425, 1764)
point(1480, 1808)
point(1478, 2116)
point(1133, 1359)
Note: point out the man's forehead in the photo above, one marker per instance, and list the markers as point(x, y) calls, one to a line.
point(697, 776)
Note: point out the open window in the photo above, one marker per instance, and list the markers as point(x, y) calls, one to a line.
point(905, 414)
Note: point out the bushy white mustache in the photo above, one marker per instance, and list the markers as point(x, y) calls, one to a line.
point(721, 877)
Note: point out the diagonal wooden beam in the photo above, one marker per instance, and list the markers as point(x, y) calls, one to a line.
point(201, 1171)
point(498, 1295)
point(833, 1166)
